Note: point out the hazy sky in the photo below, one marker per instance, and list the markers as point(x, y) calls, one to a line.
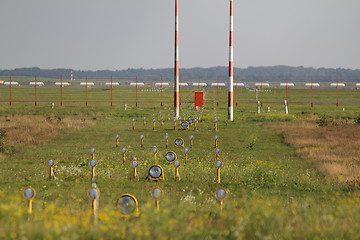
point(121, 34)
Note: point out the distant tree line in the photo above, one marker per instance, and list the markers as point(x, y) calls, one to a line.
point(212, 74)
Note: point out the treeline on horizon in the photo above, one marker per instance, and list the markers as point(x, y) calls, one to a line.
point(212, 74)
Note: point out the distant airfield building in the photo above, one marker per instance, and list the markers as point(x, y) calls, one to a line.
point(88, 84)
point(62, 84)
point(312, 84)
point(262, 85)
point(239, 84)
point(138, 84)
point(164, 84)
point(12, 83)
point(218, 84)
point(287, 85)
point(36, 83)
point(337, 84)
point(112, 84)
point(199, 84)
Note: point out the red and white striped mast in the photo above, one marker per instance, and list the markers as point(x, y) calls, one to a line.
point(231, 64)
point(176, 64)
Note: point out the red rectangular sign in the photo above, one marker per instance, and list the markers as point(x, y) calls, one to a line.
point(199, 99)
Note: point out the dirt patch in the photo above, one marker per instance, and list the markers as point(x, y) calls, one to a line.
point(335, 149)
point(34, 129)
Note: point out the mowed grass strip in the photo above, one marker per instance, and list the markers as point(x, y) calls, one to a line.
point(273, 192)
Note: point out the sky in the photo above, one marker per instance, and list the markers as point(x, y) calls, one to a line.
point(122, 34)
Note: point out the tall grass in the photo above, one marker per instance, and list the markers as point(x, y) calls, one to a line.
point(335, 148)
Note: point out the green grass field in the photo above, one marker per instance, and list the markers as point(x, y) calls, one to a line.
point(273, 193)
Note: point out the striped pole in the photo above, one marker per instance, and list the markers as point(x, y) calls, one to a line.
point(176, 64)
point(231, 64)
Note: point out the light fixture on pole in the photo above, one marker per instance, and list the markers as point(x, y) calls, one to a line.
point(117, 140)
point(218, 165)
point(144, 121)
point(133, 123)
point(93, 165)
point(220, 195)
point(186, 151)
point(154, 151)
point(123, 150)
point(216, 138)
point(94, 195)
point(191, 140)
point(51, 164)
point(217, 152)
point(134, 165)
point(177, 165)
point(92, 151)
point(142, 141)
point(157, 194)
point(29, 194)
point(166, 140)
